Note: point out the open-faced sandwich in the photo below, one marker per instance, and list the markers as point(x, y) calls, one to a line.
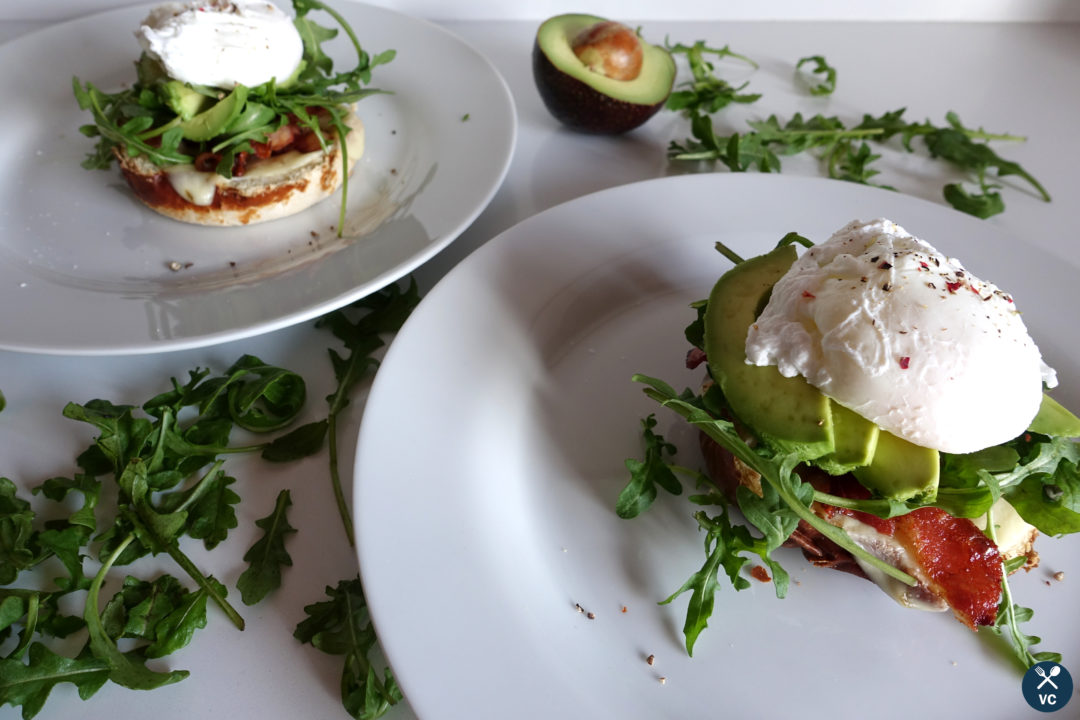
point(237, 115)
point(878, 406)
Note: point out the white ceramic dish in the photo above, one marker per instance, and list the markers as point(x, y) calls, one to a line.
point(492, 449)
point(85, 269)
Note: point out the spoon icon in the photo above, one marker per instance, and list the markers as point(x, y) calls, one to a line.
point(1054, 672)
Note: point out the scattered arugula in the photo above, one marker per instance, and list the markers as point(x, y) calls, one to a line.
point(380, 313)
point(827, 84)
point(341, 626)
point(268, 555)
point(170, 485)
point(140, 120)
point(844, 149)
point(846, 155)
point(707, 92)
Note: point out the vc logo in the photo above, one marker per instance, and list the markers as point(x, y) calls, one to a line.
point(1047, 686)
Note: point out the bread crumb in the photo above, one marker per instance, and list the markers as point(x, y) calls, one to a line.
point(651, 659)
point(1059, 575)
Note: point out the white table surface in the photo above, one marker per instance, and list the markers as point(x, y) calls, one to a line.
point(1021, 78)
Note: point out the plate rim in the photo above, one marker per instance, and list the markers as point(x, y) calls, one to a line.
point(378, 591)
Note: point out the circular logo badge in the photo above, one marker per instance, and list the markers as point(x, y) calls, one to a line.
point(1047, 686)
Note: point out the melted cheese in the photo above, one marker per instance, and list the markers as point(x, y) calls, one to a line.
point(196, 187)
point(885, 547)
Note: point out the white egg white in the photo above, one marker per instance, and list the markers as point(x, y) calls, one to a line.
point(222, 43)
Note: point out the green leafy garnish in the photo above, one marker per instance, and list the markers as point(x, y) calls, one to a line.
point(646, 475)
point(170, 487)
point(341, 626)
point(381, 312)
point(268, 555)
point(29, 684)
point(843, 149)
point(827, 84)
point(707, 92)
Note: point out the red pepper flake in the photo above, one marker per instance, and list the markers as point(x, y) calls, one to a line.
point(904, 362)
point(974, 289)
point(953, 286)
point(760, 574)
point(885, 265)
point(624, 608)
point(808, 294)
point(923, 265)
point(1008, 299)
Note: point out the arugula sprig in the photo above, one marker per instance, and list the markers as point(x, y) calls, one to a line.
point(379, 313)
point(341, 625)
point(846, 155)
point(707, 92)
point(843, 149)
point(820, 66)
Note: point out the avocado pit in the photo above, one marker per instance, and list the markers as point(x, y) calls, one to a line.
point(611, 49)
point(596, 75)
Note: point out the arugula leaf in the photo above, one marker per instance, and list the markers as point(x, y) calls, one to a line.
point(1049, 501)
point(174, 631)
point(303, 441)
point(123, 669)
point(704, 584)
point(29, 684)
point(16, 533)
point(382, 312)
point(268, 554)
point(707, 92)
point(827, 84)
point(982, 205)
point(1010, 615)
point(341, 626)
point(645, 476)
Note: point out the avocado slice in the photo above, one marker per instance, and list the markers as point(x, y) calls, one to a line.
point(213, 122)
point(901, 470)
point(588, 100)
point(855, 440)
point(789, 412)
point(182, 99)
point(1054, 419)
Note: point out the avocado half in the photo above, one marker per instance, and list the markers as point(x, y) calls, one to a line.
point(589, 101)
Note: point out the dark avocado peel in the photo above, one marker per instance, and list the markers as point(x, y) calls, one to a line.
point(586, 99)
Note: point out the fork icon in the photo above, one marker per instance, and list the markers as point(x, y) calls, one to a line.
point(1054, 671)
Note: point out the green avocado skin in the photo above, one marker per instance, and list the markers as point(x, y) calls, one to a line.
point(583, 108)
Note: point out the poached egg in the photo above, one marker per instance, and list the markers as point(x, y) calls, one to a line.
point(222, 43)
point(884, 324)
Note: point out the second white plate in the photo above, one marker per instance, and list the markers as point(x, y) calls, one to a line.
point(85, 268)
point(492, 449)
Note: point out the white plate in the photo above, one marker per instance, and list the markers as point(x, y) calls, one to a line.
point(84, 268)
point(492, 449)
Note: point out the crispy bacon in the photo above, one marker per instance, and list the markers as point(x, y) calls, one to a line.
point(276, 141)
